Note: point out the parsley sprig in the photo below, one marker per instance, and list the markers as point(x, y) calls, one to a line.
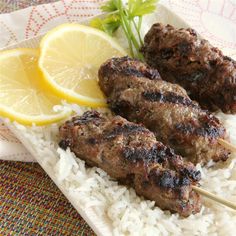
point(128, 16)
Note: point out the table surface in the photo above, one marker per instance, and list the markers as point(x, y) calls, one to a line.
point(30, 203)
point(7, 6)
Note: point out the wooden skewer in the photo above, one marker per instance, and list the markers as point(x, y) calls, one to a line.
point(209, 195)
point(155, 166)
point(227, 145)
point(214, 197)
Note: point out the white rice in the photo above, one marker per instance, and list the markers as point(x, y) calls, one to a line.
point(119, 207)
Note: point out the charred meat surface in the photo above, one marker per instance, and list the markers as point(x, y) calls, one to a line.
point(182, 57)
point(130, 153)
point(164, 108)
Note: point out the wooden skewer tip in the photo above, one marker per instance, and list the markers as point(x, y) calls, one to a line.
point(227, 145)
point(214, 197)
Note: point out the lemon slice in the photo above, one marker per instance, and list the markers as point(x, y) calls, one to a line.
point(23, 95)
point(70, 56)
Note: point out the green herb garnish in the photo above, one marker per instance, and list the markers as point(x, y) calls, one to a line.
point(129, 17)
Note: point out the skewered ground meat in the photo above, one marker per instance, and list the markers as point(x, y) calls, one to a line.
point(130, 153)
point(137, 93)
point(182, 57)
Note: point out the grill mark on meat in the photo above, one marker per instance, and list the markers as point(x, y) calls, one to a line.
point(157, 154)
point(125, 130)
point(132, 71)
point(92, 141)
point(117, 66)
point(64, 144)
point(194, 174)
point(184, 48)
point(166, 53)
point(153, 154)
point(168, 97)
point(205, 130)
point(119, 107)
point(168, 180)
point(195, 76)
point(228, 58)
point(87, 117)
point(150, 74)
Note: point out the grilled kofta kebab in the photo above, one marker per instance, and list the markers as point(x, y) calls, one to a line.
point(137, 92)
point(130, 153)
point(182, 57)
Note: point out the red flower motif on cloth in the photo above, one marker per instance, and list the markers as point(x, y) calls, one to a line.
point(45, 17)
point(7, 35)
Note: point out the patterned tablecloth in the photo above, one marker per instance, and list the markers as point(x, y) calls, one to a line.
point(31, 204)
point(13, 5)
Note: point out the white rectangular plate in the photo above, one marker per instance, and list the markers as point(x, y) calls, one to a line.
point(99, 210)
